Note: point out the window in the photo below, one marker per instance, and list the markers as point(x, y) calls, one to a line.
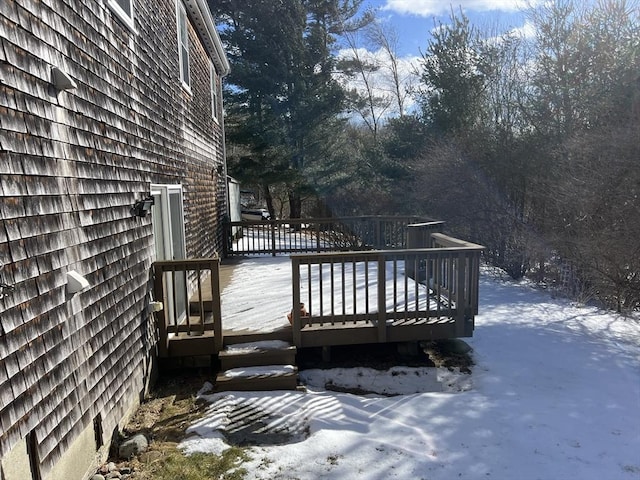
point(183, 45)
point(215, 100)
point(124, 10)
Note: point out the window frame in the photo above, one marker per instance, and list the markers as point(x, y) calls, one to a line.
point(182, 22)
point(125, 17)
point(215, 93)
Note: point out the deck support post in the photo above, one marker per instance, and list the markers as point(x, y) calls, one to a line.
point(227, 237)
point(379, 243)
point(326, 353)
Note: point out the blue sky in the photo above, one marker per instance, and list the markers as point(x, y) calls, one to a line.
point(414, 19)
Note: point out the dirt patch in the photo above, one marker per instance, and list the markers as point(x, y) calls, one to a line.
point(452, 353)
point(169, 409)
point(163, 418)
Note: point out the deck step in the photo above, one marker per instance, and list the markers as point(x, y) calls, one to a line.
point(192, 345)
point(263, 363)
point(259, 378)
point(273, 352)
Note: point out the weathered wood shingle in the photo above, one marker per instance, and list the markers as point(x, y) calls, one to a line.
point(71, 165)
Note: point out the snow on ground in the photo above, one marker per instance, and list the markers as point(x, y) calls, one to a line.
point(554, 394)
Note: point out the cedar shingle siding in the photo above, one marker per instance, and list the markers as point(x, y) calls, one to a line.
point(72, 164)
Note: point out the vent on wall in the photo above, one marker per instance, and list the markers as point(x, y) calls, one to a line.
point(61, 80)
point(76, 282)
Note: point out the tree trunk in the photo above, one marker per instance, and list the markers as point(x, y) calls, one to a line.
point(295, 204)
point(269, 199)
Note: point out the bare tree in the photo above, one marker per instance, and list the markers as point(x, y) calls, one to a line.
point(385, 38)
point(361, 71)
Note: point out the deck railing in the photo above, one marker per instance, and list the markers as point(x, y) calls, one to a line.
point(375, 278)
point(273, 237)
point(387, 288)
point(188, 310)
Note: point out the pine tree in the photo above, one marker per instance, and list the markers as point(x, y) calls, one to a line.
point(281, 91)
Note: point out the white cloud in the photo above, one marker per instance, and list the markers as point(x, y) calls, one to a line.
point(427, 8)
point(528, 30)
point(381, 81)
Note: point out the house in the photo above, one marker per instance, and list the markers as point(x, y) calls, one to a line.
point(108, 108)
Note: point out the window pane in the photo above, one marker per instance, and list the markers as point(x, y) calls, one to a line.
point(185, 66)
point(125, 5)
point(214, 93)
point(183, 47)
point(184, 37)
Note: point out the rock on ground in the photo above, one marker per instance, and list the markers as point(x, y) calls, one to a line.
point(133, 446)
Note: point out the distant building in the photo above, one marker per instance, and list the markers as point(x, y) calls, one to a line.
point(103, 103)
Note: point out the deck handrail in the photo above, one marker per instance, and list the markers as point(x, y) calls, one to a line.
point(189, 276)
point(398, 285)
point(274, 237)
point(440, 240)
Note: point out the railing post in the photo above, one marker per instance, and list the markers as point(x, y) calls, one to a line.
point(227, 237)
point(475, 285)
point(414, 234)
point(461, 304)
point(215, 305)
point(318, 237)
point(272, 224)
point(295, 308)
point(382, 299)
point(161, 319)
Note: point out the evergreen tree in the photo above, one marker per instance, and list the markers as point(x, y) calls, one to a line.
point(281, 91)
point(453, 75)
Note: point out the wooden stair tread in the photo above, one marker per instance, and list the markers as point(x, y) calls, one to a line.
point(256, 355)
point(269, 346)
point(259, 371)
point(272, 377)
point(258, 352)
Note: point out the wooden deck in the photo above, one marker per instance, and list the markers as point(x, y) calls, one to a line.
point(424, 288)
point(351, 297)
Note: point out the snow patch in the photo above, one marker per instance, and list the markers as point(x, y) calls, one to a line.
point(241, 348)
point(555, 393)
point(270, 370)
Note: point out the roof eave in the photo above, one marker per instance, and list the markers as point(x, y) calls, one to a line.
point(203, 21)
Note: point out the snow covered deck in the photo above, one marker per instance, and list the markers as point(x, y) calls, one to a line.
point(349, 297)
